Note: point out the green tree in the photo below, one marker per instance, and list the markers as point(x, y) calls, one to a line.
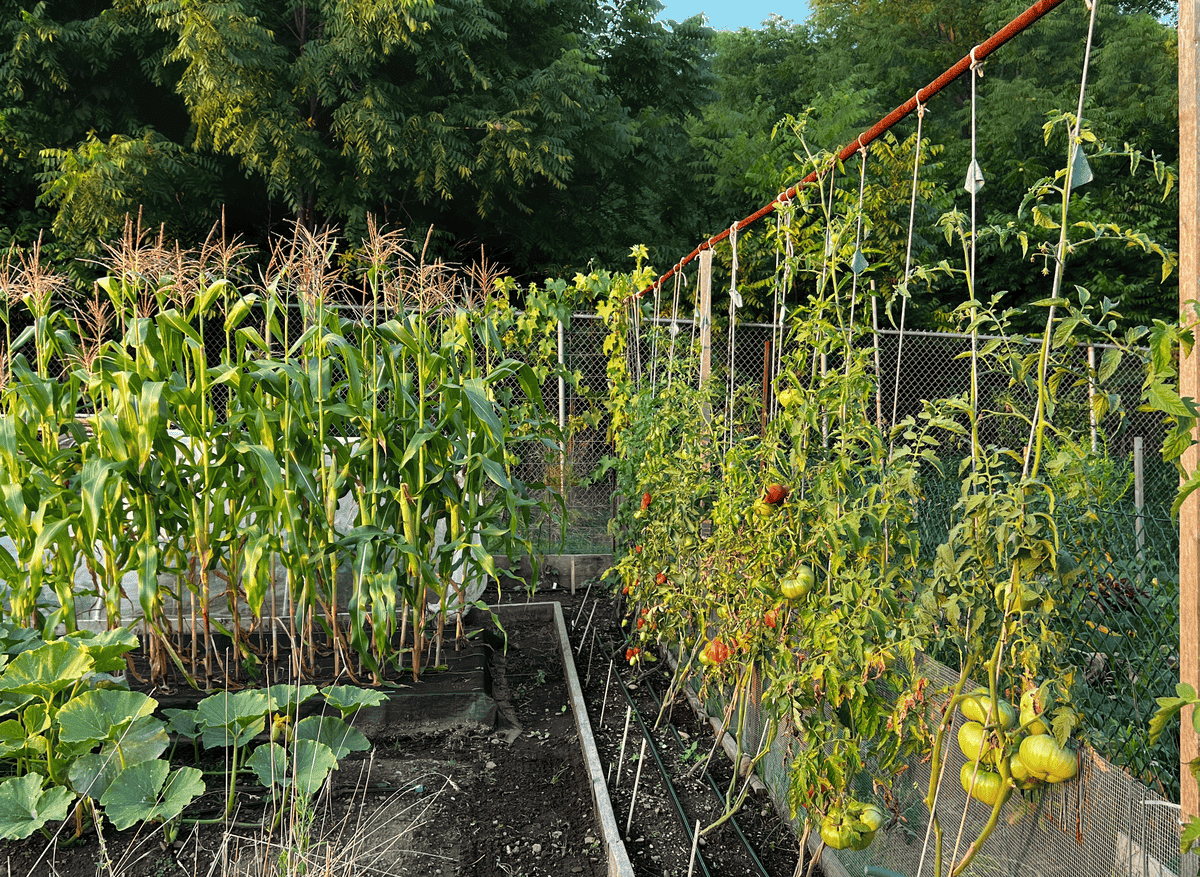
point(548, 133)
point(85, 135)
point(855, 60)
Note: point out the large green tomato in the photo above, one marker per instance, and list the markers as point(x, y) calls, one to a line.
point(982, 785)
point(798, 585)
point(1048, 761)
point(974, 743)
point(789, 397)
point(976, 706)
point(840, 830)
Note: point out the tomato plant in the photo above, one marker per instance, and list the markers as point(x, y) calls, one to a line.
point(809, 574)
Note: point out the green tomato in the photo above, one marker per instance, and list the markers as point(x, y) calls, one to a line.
point(799, 584)
point(1022, 778)
point(1048, 761)
point(982, 785)
point(976, 706)
point(872, 817)
point(1031, 708)
point(764, 509)
point(840, 830)
point(974, 743)
point(789, 397)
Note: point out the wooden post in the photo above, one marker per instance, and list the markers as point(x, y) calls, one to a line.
point(562, 415)
point(1189, 386)
point(705, 315)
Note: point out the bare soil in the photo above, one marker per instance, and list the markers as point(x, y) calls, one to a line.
point(510, 800)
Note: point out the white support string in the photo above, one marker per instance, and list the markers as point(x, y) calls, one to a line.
point(828, 207)
point(912, 219)
point(654, 337)
point(858, 262)
point(788, 257)
point(775, 306)
point(1060, 254)
point(636, 329)
point(974, 183)
point(679, 281)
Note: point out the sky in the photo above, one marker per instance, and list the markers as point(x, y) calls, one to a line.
point(733, 14)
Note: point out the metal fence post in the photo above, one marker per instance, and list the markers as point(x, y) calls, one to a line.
point(1091, 355)
point(1139, 505)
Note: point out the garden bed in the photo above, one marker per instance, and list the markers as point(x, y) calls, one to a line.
point(479, 769)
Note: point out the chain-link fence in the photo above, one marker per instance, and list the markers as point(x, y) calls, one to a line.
point(587, 486)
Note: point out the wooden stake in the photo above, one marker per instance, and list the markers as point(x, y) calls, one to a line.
point(586, 594)
point(588, 626)
point(604, 702)
point(1189, 386)
point(695, 844)
point(592, 651)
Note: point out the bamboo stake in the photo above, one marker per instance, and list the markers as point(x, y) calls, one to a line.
point(621, 752)
point(637, 778)
point(604, 702)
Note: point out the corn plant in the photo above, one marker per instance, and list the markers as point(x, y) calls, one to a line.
point(364, 442)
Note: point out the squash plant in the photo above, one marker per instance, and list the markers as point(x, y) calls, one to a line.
point(77, 736)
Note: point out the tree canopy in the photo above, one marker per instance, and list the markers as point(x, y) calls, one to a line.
point(855, 60)
point(499, 122)
point(557, 135)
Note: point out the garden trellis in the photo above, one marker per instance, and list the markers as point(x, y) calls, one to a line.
point(999, 506)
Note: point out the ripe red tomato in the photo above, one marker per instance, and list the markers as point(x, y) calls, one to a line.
point(777, 493)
